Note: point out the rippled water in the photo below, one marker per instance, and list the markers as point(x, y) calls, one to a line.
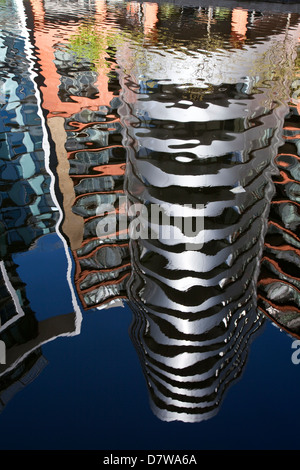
point(149, 225)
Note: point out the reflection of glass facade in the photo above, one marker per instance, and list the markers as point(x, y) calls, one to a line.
point(28, 211)
point(26, 204)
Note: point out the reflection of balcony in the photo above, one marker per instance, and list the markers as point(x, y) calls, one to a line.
point(96, 167)
point(194, 308)
point(189, 366)
point(279, 281)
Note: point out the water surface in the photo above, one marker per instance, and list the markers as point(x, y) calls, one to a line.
point(126, 328)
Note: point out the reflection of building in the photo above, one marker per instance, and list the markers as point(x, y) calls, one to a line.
point(205, 152)
point(189, 364)
point(266, 7)
point(102, 260)
point(26, 204)
point(279, 281)
point(81, 101)
point(195, 309)
point(28, 211)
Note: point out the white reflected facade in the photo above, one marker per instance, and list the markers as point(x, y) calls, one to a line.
point(211, 149)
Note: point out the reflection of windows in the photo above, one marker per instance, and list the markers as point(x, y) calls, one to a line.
point(78, 84)
point(97, 162)
point(76, 77)
point(279, 281)
point(99, 183)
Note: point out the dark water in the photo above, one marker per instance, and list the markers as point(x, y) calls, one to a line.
point(149, 229)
